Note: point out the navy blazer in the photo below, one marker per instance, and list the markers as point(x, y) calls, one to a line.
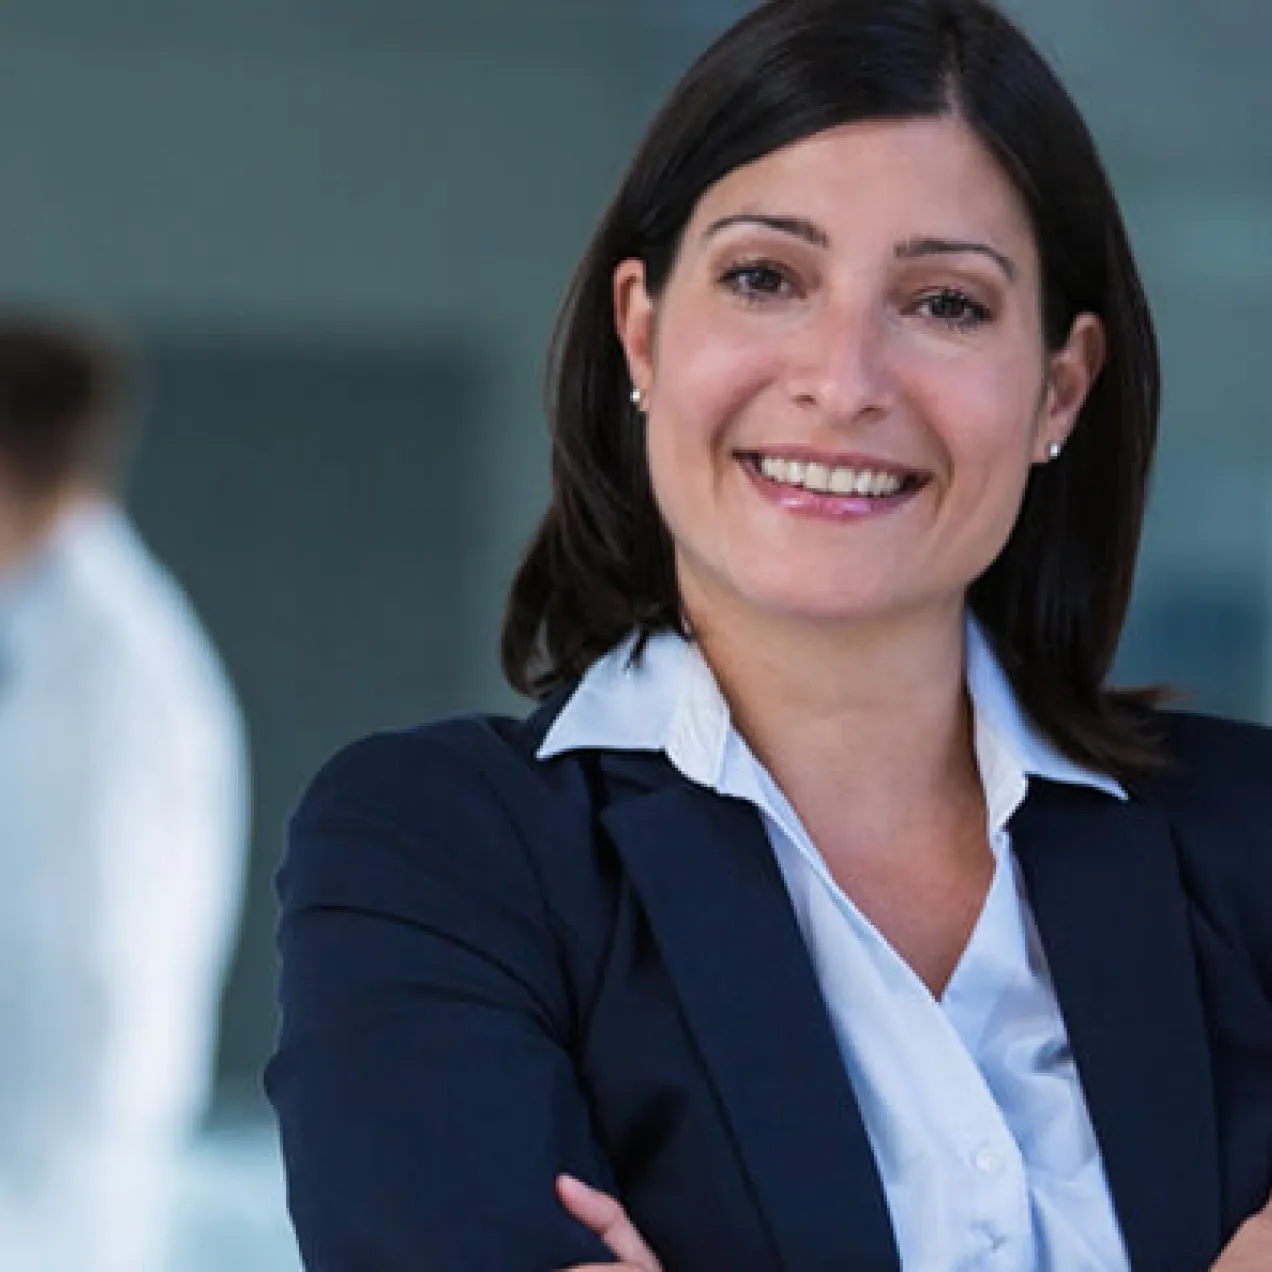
point(495, 969)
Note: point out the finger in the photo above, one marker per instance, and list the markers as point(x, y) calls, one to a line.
point(602, 1214)
point(1250, 1249)
point(607, 1219)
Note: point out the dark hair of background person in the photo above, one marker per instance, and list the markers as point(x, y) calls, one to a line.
point(65, 392)
point(1053, 603)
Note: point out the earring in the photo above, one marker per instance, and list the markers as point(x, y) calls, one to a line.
point(1053, 451)
point(638, 399)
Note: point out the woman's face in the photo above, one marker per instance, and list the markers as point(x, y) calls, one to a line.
point(845, 377)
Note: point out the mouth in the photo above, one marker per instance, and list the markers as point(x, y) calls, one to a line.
point(826, 480)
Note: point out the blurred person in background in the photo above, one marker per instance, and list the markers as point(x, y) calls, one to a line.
point(123, 802)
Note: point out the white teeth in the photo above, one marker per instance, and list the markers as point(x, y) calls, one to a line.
point(823, 478)
point(817, 477)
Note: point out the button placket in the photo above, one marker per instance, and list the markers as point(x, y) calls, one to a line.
point(998, 1202)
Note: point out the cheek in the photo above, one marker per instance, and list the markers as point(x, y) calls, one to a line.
point(988, 415)
point(986, 423)
point(705, 395)
point(707, 375)
point(691, 438)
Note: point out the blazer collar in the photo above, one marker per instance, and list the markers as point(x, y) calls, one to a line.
point(1103, 881)
point(720, 914)
point(1109, 906)
point(667, 699)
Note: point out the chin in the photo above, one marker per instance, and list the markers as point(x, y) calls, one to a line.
point(769, 591)
point(822, 607)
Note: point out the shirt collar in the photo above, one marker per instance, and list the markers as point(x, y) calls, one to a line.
point(1009, 746)
point(78, 531)
point(667, 700)
point(85, 535)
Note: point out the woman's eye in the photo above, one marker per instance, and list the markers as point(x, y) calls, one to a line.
point(955, 309)
point(757, 281)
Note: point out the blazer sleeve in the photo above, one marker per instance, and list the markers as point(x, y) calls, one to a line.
point(1218, 794)
point(423, 1083)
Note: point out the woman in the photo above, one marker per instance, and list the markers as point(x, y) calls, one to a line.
point(830, 913)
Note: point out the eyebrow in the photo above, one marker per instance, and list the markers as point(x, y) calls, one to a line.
point(795, 225)
point(911, 249)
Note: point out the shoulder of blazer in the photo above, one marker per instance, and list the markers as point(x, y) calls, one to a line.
point(399, 774)
point(435, 773)
point(1222, 767)
point(1217, 795)
point(457, 820)
point(471, 792)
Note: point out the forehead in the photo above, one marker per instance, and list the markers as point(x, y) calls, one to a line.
point(913, 176)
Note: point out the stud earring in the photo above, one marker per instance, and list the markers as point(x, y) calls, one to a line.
point(638, 399)
point(1053, 451)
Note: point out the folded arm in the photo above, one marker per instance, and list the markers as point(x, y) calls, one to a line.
point(423, 1081)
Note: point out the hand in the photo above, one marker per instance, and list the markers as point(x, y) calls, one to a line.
point(603, 1215)
point(1250, 1249)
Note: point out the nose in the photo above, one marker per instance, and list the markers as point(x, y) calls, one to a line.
point(838, 363)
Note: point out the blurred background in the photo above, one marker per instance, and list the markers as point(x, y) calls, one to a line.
point(338, 231)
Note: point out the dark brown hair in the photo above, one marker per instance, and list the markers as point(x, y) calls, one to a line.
point(1053, 603)
point(64, 394)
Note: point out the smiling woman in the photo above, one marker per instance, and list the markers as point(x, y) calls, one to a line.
point(865, 328)
point(832, 911)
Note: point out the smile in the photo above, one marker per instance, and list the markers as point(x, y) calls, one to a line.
point(845, 480)
point(824, 479)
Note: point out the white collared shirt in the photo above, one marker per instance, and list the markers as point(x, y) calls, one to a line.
point(123, 809)
point(972, 1102)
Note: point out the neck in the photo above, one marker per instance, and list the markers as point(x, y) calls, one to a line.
point(28, 521)
point(871, 716)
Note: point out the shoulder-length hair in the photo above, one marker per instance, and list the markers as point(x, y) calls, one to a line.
point(601, 565)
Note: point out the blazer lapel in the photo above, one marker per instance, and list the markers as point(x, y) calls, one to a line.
point(719, 911)
point(1111, 911)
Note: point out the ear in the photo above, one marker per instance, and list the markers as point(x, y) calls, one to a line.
point(1071, 372)
point(634, 322)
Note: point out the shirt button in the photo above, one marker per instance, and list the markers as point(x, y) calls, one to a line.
point(988, 1161)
